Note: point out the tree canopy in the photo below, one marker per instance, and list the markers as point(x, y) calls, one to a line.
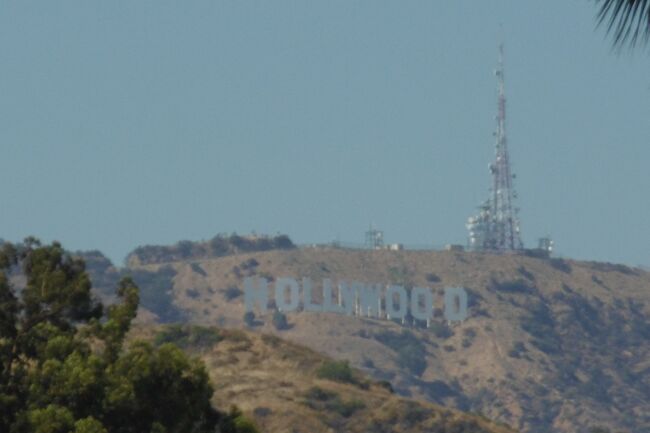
point(64, 367)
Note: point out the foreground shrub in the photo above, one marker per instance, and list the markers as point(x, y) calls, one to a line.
point(249, 319)
point(188, 336)
point(280, 321)
point(338, 371)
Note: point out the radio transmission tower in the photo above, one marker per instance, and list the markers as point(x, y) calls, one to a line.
point(496, 227)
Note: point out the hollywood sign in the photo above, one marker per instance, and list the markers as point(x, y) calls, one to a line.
point(354, 298)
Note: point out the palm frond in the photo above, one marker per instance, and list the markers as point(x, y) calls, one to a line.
point(627, 20)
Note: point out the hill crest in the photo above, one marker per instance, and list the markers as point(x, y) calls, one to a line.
point(550, 345)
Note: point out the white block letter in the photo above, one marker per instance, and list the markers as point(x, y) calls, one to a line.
point(403, 301)
point(280, 294)
point(328, 305)
point(369, 300)
point(346, 296)
point(427, 296)
point(455, 303)
point(307, 291)
point(252, 294)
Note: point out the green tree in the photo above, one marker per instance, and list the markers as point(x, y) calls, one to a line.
point(51, 419)
point(119, 318)
point(89, 425)
point(64, 367)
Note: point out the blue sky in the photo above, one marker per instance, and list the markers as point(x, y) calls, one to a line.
point(125, 123)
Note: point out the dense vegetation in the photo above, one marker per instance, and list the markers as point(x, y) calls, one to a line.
point(338, 371)
point(188, 336)
point(219, 246)
point(64, 367)
point(154, 286)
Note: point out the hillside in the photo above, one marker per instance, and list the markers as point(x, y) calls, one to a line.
point(288, 388)
point(550, 345)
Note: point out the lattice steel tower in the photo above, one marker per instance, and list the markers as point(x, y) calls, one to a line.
point(496, 227)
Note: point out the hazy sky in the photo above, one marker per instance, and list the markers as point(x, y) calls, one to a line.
point(125, 123)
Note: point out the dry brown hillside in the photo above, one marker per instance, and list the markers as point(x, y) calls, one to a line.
point(550, 345)
point(287, 388)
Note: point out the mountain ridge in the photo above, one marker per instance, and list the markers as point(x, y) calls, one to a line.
point(531, 353)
